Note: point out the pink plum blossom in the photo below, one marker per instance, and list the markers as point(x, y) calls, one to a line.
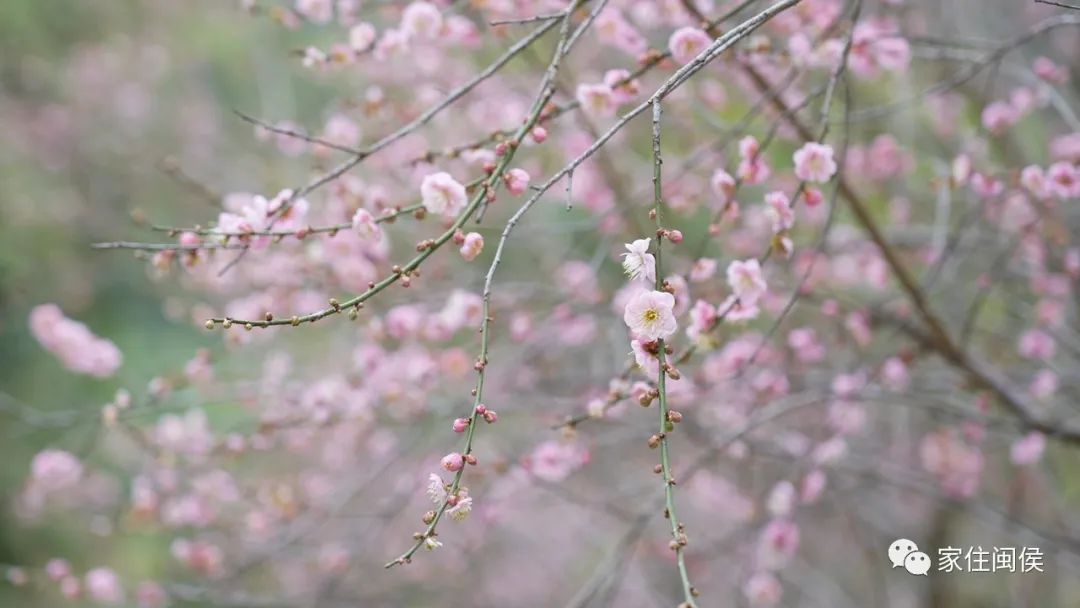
point(596, 99)
point(103, 586)
point(472, 246)
point(778, 210)
point(763, 590)
point(1028, 450)
point(421, 20)
point(753, 169)
point(814, 163)
point(746, 280)
point(442, 194)
point(650, 315)
point(364, 224)
point(777, 544)
point(686, 43)
point(554, 461)
point(517, 181)
point(452, 462)
point(54, 470)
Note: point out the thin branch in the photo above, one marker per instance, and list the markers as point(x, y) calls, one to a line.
point(667, 418)
point(1059, 4)
point(294, 134)
point(547, 90)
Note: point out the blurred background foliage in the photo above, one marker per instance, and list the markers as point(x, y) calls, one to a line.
point(96, 99)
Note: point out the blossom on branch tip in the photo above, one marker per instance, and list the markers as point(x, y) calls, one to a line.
point(650, 315)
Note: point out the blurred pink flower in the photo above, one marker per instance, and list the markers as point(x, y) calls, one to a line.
point(686, 43)
point(73, 343)
point(814, 163)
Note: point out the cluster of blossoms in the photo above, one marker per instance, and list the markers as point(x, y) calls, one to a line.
point(825, 315)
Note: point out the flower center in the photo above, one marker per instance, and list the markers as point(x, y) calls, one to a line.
point(651, 315)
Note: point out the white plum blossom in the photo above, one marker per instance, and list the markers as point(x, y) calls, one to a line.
point(638, 262)
point(436, 489)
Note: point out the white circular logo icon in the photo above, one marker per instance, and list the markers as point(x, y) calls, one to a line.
point(899, 549)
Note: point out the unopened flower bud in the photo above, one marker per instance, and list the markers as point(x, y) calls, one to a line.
point(490, 416)
point(460, 425)
point(452, 462)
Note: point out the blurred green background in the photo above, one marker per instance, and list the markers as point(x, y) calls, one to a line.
point(97, 99)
